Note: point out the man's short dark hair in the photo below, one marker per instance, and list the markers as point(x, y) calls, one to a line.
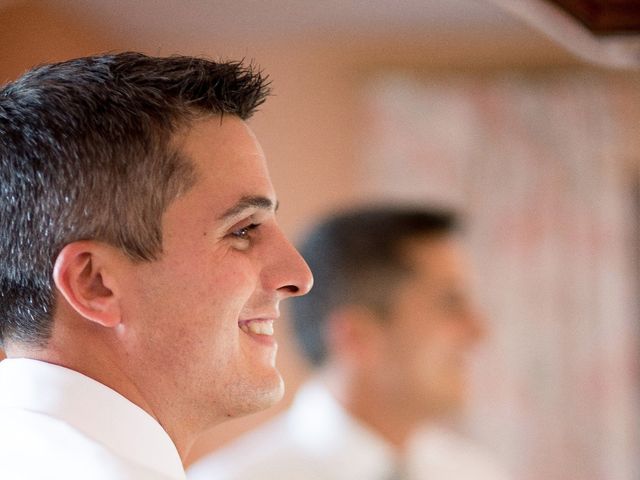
point(87, 152)
point(357, 258)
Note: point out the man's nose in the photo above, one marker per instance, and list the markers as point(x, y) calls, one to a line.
point(290, 272)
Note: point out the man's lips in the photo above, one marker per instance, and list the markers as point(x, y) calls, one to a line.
point(257, 326)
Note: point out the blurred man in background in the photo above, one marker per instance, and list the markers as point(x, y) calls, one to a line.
point(389, 325)
point(141, 264)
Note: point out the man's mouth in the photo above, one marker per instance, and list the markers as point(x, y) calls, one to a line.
point(259, 326)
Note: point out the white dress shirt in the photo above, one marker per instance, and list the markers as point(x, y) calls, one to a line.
point(316, 439)
point(58, 424)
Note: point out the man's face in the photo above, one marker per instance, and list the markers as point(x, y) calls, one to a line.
point(430, 330)
point(201, 316)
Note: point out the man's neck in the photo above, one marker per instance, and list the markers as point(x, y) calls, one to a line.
point(101, 365)
point(356, 396)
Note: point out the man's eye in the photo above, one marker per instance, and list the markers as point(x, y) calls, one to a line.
point(244, 233)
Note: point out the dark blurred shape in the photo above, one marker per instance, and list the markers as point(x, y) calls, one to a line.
point(604, 17)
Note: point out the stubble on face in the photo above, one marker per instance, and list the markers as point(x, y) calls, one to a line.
point(198, 363)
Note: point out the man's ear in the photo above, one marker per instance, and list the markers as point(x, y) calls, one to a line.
point(84, 275)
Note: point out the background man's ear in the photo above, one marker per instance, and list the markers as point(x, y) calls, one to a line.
point(84, 276)
point(354, 334)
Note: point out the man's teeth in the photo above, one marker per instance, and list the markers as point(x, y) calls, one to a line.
point(260, 327)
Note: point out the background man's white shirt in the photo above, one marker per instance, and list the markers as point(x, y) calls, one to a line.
point(317, 440)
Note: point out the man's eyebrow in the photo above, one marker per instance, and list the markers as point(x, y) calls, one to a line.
point(246, 202)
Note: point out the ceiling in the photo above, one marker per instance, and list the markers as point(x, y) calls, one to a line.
point(250, 17)
point(233, 18)
point(605, 32)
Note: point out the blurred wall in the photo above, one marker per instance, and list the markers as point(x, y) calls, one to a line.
point(31, 34)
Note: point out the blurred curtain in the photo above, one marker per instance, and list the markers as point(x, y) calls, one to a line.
point(544, 167)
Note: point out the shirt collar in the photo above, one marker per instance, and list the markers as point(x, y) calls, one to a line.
point(321, 426)
point(93, 408)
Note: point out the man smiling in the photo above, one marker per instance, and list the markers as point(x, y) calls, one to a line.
point(141, 265)
point(390, 327)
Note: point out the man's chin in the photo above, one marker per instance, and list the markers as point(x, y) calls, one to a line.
point(271, 396)
point(259, 398)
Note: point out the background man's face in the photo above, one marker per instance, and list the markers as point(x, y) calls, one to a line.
point(430, 330)
point(203, 312)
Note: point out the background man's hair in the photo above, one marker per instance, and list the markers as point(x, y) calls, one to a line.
point(357, 258)
point(87, 152)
